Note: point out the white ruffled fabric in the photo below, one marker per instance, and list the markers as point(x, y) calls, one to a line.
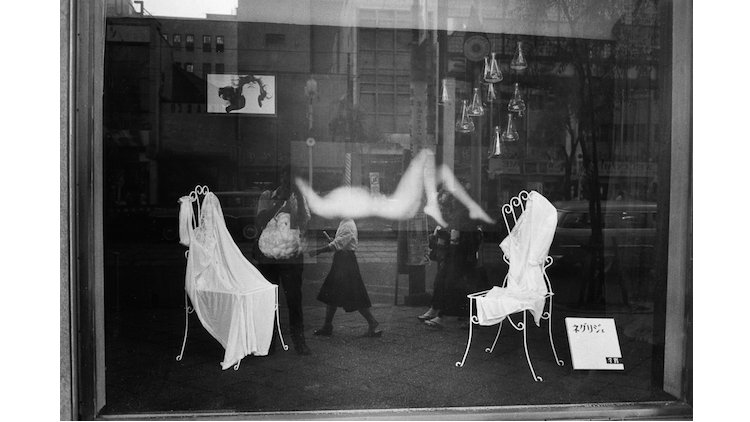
point(526, 247)
point(278, 240)
point(232, 299)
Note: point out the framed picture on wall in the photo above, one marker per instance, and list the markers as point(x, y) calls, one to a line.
point(253, 94)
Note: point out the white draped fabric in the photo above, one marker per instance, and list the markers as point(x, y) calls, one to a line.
point(526, 247)
point(233, 301)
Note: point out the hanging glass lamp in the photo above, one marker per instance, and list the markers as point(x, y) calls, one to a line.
point(445, 95)
point(492, 71)
point(496, 142)
point(476, 108)
point(464, 125)
point(510, 134)
point(516, 104)
point(518, 62)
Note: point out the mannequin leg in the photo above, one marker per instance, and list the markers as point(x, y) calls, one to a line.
point(453, 186)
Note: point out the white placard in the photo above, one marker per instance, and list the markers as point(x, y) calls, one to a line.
point(594, 343)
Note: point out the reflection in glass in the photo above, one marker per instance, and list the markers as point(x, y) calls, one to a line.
point(368, 84)
point(465, 125)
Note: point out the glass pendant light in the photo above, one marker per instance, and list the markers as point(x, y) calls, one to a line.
point(464, 125)
point(476, 108)
point(518, 62)
point(491, 93)
point(516, 103)
point(497, 148)
point(510, 134)
point(445, 96)
point(492, 71)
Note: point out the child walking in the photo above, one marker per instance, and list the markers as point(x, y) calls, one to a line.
point(344, 287)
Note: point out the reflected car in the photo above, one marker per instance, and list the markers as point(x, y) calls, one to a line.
point(239, 209)
point(629, 231)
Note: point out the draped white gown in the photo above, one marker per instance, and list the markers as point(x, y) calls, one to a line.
point(526, 247)
point(233, 301)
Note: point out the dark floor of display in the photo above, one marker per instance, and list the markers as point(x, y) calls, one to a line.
point(411, 366)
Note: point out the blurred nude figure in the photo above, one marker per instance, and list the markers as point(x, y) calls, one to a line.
point(418, 179)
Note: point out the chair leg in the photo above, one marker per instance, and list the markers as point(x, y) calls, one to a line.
point(497, 336)
point(472, 320)
point(559, 361)
point(526, 350)
point(278, 322)
point(188, 311)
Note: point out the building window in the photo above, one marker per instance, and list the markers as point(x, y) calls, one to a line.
point(275, 39)
point(207, 43)
point(219, 43)
point(384, 74)
point(189, 42)
point(206, 68)
point(189, 67)
point(177, 41)
point(219, 68)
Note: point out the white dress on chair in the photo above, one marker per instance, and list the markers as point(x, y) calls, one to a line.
point(526, 248)
point(232, 299)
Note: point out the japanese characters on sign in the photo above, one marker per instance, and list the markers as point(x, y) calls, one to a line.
point(594, 343)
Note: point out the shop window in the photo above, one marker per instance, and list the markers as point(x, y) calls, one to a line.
point(362, 117)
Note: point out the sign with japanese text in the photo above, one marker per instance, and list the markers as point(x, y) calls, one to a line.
point(594, 343)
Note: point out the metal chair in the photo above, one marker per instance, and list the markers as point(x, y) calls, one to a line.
point(512, 212)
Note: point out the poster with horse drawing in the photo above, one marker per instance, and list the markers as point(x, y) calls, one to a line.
point(241, 94)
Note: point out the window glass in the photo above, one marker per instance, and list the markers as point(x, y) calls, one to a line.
point(343, 98)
